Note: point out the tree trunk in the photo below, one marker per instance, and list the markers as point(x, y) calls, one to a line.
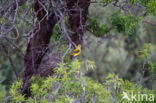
point(78, 11)
point(38, 44)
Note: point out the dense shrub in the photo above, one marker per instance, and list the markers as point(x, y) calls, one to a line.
point(70, 85)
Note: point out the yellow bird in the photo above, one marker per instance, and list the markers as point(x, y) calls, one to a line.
point(77, 50)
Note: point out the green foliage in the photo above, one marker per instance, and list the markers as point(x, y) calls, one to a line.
point(96, 28)
point(1, 96)
point(56, 34)
point(125, 23)
point(117, 86)
point(16, 96)
point(57, 31)
point(68, 82)
point(70, 85)
point(107, 1)
point(67, 58)
point(151, 4)
point(153, 69)
point(143, 2)
point(146, 54)
point(1, 20)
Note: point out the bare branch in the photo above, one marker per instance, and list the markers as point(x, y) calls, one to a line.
point(6, 12)
point(11, 62)
point(147, 22)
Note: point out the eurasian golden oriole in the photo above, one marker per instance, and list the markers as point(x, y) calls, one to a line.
point(77, 51)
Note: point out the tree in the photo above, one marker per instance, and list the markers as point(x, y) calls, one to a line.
point(69, 19)
point(42, 31)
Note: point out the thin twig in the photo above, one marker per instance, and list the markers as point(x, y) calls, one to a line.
point(10, 60)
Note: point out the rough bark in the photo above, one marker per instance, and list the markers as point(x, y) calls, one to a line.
point(37, 46)
point(78, 11)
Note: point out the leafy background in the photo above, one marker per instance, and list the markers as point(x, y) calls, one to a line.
point(117, 40)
